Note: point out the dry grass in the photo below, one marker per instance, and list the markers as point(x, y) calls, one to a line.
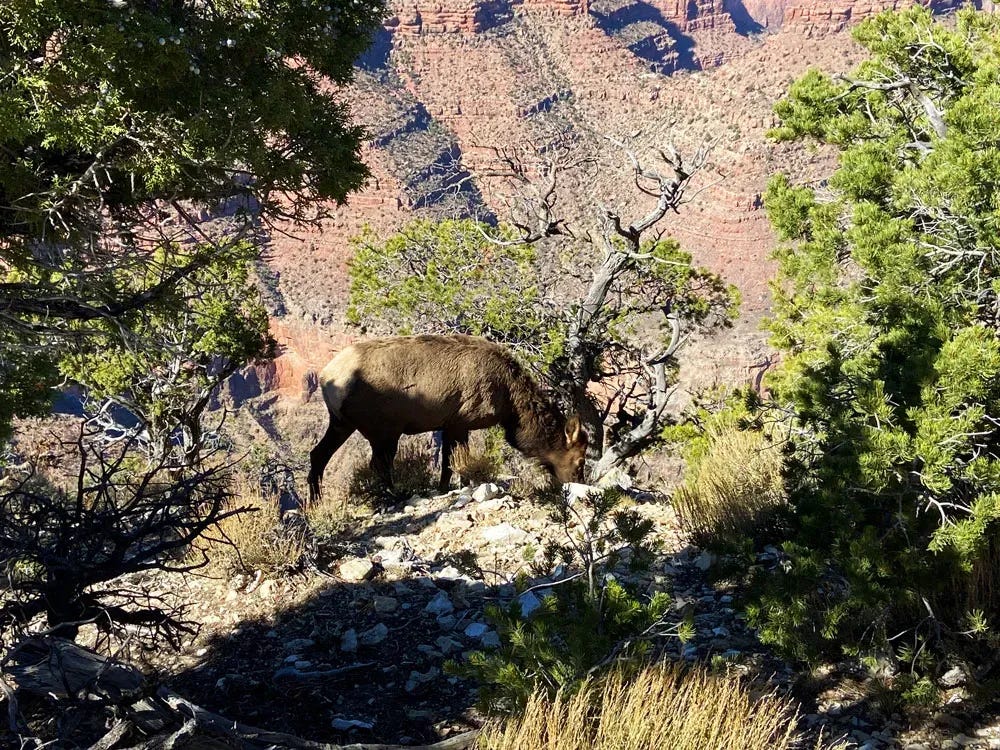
point(983, 586)
point(661, 707)
point(475, 466)
point(733, 489)
point(411, 473)
point(255, 540)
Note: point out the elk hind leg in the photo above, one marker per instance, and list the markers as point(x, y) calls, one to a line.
point(383, 455)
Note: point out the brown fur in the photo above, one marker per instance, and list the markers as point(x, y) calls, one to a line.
point(385, 388)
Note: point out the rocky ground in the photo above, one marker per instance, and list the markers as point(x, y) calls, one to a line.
point(358, 652)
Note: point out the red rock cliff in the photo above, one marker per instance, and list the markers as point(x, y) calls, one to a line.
point(815, 18)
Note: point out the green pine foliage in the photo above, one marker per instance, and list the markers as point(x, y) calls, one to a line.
point(572, 636)
point(179, 349)
point(886, 311)
point(447, 275)
point(114, 115)
point(588, 621)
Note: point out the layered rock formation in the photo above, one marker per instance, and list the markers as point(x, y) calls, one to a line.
point(815, 18)
point(471, 16)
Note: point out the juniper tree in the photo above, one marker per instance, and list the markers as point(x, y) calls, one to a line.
point(123, 125)
point(143, 147)
point(887, 307)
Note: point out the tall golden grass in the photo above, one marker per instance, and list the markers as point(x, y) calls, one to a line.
point(663, 707)
point(733, 488)
point(476, 465)
point(252, 541)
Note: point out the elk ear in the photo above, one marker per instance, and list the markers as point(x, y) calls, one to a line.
point(572, 430)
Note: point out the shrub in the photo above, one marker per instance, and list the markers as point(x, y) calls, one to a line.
point(255, 540)
point(660, 706)
point(61, 546)
point(481, 460)
point(733, 486)
point(572, 635)
point(885, 311)
point(585, 621)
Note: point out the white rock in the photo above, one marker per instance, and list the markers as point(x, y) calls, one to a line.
point(449, 573)
point(485, 492)
point(497, 503)
point(349, 641)
point(503, 532)
point(447, 622)
point(440, 605)
point(575, 491)
point(952, 678)
point(473, 588)
point(393, 557)
point(419, 678)
point(267, 589)
point(617, 477)
point(704, 561)
point(356, 570)
point(374, 635)
point(476, 630)
point(446, 644)
point(529, 603)
point(345, 725)
point(461, 502)
point(490, 639)
point(385, 604)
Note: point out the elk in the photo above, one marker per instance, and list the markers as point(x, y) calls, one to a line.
point(389, 387)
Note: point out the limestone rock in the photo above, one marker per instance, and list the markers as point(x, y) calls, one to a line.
point(374, 635)
point(356, 570)
point(504, 532)
point(440, 605)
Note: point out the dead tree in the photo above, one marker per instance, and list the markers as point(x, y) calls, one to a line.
point(633, 270)
point(64, 550)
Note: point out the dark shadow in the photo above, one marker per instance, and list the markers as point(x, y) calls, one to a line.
point(375, 59)
point(290, 672)
point(439, 180)
point(745, 23)
point(625, 22)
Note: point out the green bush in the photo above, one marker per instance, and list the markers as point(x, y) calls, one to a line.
point(885, 309)
point(587, 621)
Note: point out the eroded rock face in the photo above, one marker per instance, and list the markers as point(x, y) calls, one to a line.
point(817, 18)
point(469, 17)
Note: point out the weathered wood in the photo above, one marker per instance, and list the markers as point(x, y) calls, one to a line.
point(63, 670)
point(54, 666)
point(300, 677)
point(252, 737)
point(118, 732)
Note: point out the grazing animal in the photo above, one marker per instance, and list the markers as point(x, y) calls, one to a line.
point(386, 388)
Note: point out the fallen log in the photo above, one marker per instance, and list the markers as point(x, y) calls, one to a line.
point(253, 737)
